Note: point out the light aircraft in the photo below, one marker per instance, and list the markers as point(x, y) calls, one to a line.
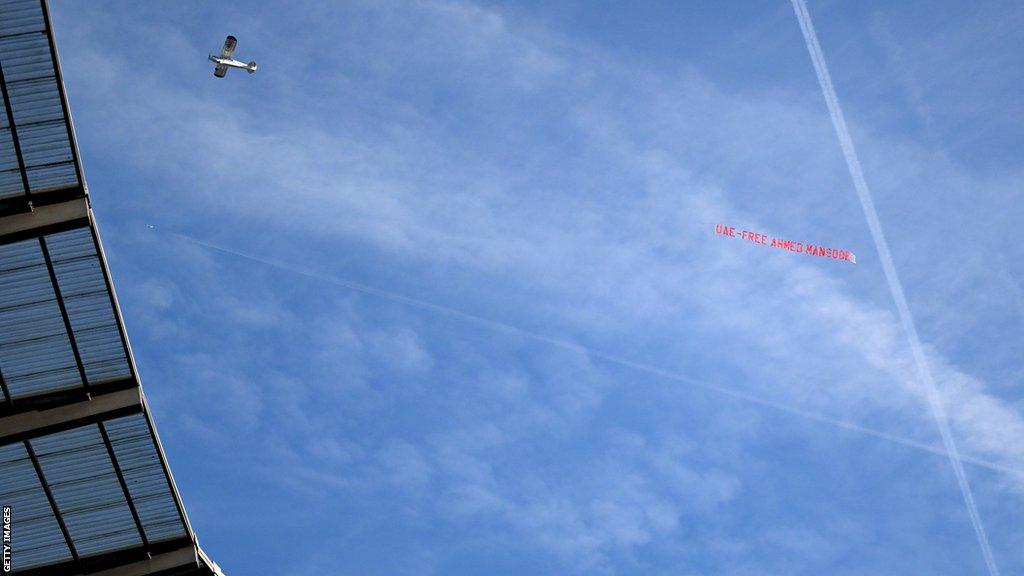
point(225, 60)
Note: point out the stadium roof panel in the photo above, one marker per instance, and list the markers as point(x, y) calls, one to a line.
point(80, 462)
point(35, 129)
point(48, 284)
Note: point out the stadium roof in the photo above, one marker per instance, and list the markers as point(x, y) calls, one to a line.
point(81, 465)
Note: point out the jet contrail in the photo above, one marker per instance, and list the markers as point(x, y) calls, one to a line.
point(573, 347)
point(895, 286)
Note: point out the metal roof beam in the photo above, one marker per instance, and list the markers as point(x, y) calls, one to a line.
point(178, 556)
point(50, 400)
point(43, 220)
point(27, 425)
point(180, 559)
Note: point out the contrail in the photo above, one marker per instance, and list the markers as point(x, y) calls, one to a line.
point(573, 347)
point(895, 286)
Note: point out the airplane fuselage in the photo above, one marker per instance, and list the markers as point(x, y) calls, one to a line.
point(228, 62)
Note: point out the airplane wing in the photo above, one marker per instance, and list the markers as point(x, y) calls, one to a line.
point(229, 47)
point(220, 70)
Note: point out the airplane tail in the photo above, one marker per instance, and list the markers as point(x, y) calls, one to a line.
point(251, 67)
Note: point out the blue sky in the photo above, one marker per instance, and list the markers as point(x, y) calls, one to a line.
point(517, 185)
